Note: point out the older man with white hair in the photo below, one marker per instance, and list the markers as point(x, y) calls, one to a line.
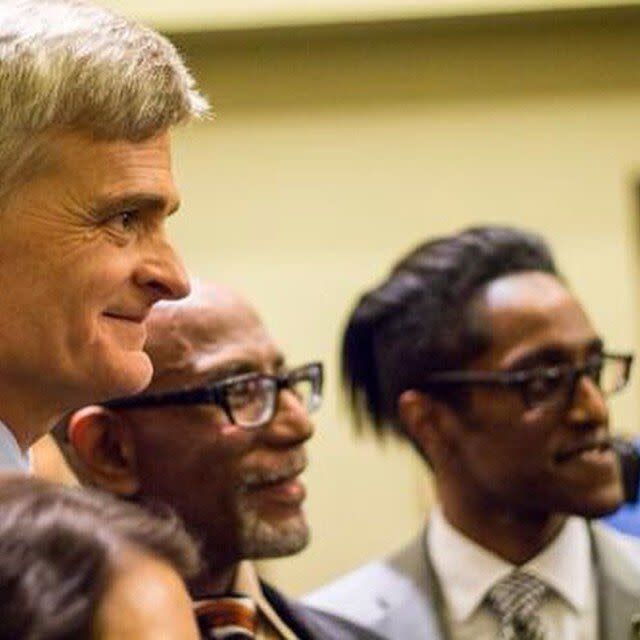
point(87, 99)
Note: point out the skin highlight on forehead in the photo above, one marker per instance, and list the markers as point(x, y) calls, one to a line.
point(514, 289)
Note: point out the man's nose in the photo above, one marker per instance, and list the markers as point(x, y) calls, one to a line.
point(161, 272)
point(291, 424)
point(588, 406)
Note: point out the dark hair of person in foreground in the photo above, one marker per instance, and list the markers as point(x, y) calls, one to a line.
point(58, 545)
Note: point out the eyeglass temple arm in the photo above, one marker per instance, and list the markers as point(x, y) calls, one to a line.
point(202, 395)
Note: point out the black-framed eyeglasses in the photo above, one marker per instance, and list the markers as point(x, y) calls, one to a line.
point(249, 400)
point(546, 386)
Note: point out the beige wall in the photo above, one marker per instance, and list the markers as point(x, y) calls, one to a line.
point(334, 151)
point(195, 15)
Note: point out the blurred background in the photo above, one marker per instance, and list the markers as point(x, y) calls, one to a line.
point(349, 130)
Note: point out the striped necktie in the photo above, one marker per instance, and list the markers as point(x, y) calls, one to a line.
point(227, 617)
point(515, 600)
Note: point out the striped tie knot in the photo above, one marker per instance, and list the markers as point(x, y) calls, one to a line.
point(229, 617)
point(515, 600)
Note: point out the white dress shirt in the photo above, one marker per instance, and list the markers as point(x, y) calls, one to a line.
point(11, 457)
point(467, 571)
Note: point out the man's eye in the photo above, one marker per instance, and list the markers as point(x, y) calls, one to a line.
point(595, 360)
point(544, 384)
point(242, 392)
point(125, 220)
point(594, 368)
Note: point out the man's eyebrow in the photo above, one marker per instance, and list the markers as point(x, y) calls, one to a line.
point(240, 367)
point(553, 353)
point(141, 201)
point(231, 369)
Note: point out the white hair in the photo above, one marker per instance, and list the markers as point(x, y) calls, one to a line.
point(71, 64)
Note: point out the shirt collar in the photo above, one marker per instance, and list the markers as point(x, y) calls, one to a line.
point(11, 456)
point(247, 582)
point(467, 571)
point(565, 564)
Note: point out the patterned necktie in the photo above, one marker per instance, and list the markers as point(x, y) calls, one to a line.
point(227, 617)
point(515, 600)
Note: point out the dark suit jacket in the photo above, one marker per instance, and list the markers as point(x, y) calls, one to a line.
point(311, 624)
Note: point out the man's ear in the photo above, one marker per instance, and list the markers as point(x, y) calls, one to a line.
point(424, 421)
point(104, 447)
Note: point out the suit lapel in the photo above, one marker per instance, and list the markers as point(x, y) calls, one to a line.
point(311, 624)
point(282, 607)
point(618, 569)
point(620, 613)
point(409, 616)
point(415, 602)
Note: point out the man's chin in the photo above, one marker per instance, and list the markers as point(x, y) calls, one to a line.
point(262, 538)
point(127, 374)
point(598, 506)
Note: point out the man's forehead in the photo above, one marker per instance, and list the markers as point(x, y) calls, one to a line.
point(525, 294)
point(116, 168)
point(211, 328)
point(533, 307)
point(523, 289)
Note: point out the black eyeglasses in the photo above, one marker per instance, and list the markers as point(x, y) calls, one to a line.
point(546, 386)
point(249, 400)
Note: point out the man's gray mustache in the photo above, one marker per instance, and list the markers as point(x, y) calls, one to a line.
point(294, 465)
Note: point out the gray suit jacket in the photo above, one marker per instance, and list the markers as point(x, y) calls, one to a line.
point(399, 598)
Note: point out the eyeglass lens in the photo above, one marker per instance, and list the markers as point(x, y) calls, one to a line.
point(613, 375)
point(252, 402)
point(610, 374)
point(308, 392)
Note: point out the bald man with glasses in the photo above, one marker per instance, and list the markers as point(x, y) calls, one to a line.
point(220, 437)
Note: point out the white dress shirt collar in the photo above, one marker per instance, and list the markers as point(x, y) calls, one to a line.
point(467, 571)
point(11, 457)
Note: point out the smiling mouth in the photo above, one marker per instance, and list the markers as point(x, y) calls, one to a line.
point(285, 493)
point(136, 319)
point(258, 481)
point(588, 451)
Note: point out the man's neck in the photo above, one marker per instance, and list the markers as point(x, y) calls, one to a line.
point(214, 581)
point(516, 537)
point(26, 417)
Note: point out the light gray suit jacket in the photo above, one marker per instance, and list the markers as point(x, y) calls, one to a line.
point(399, 598)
